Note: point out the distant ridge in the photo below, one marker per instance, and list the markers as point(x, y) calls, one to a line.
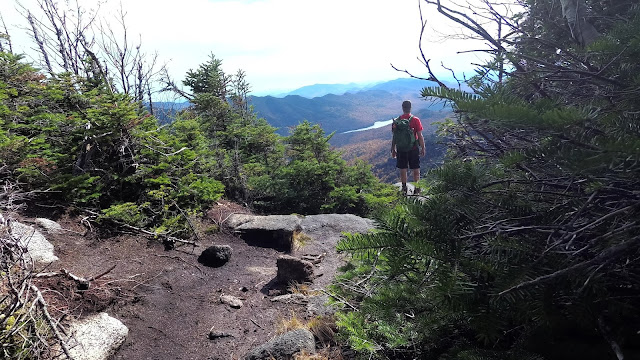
point(393, 86)
point(351, 110)
point(317, 90)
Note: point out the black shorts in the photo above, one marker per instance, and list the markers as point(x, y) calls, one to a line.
point(410, 158)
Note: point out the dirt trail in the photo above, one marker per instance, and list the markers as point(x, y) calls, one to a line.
point(170, 302)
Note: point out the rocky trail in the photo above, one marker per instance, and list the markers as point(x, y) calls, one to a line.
point(175, 307)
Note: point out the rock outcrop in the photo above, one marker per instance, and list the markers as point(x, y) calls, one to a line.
point(273, 231)
point(278, 231)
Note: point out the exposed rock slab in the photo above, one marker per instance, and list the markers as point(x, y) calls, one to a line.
point(336, 222)
point(284, 346)
point(40, 250)
point(277, 231)
point(273, 231)
point(96, 337)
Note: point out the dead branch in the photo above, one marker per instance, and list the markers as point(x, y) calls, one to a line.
point(169, 238)
point(6, 37)
point(43, 307)
point(82, 283)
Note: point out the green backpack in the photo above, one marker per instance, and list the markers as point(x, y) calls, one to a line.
point(403, 135)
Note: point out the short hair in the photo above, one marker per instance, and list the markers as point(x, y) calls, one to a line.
point(406, 105)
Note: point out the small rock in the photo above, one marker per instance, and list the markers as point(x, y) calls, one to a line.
point(215, 256)
point(292, 269)
point(284, 346)
point(232, 301)
point(215, 335)
point(288, 298)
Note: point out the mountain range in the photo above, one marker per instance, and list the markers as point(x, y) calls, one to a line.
point(355, 107)
point(343, 108)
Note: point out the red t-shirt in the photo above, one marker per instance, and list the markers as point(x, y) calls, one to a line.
point(415, 124)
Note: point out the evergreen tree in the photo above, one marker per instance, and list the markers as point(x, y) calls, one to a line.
point(526, 245)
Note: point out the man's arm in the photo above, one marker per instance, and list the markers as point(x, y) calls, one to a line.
point(421, 141)
point(393, 148)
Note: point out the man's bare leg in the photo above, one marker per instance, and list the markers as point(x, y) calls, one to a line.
point(403, 179)
point(416, 178)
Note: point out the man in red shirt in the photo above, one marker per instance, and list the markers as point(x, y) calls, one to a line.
point(409, 159)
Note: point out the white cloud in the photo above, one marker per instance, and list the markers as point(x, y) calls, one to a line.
point(282, 44)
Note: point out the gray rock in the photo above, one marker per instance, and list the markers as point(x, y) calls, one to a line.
point(290, 298)
point(232, 301)
point(292, 269)
point(284, 346)
point(235, 220)
point(273, 231)
point(97, 337)
point(319, 306)
point(337, 222)
point(216, 255)
point(39, 249)
point(49, 225)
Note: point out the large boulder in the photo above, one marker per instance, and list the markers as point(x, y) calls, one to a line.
point(97, 337)
point(273, 231)
point(39, 249)
point(215, 256)
point(285, 346)
point(291, 269)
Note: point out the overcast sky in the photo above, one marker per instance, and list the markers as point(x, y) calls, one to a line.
point(280, 44)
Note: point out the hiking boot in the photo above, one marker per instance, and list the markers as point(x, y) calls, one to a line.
point(404, 189)
point(416, 191)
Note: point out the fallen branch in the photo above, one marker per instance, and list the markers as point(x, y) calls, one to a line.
point(147, 232)
point(43, 306)
point(102, 274)
point(82, 283)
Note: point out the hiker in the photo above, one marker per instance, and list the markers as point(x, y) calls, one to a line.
point(407, 137)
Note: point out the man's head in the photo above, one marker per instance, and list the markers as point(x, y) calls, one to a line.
point(406, 106)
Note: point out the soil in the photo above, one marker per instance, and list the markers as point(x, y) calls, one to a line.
point(169, 301)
